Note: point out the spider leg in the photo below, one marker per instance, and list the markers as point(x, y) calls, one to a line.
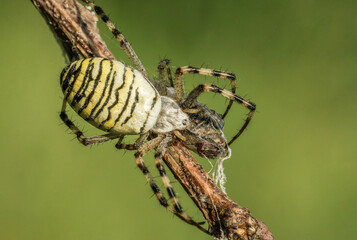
point(179, 87)
point(134, 146)
point(161, 149)
point(142, 150)
point(86, 141)
point(125, 45)
point(212, 88)
point(165, 64)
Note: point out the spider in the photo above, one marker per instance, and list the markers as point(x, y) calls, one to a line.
point(122, 100)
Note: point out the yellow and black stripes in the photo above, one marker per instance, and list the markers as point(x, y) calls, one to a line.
point(88, 78)
point(212, 88)
point(104, 98)
point(124, 107)
point(202, 71)
point(111, 95)
point(94, 90)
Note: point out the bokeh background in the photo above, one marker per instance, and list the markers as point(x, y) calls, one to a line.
point(295, 167)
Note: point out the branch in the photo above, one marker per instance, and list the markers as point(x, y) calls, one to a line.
point(226, 218)
point(73, 24)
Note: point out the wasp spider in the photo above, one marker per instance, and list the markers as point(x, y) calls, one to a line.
point(121, 100)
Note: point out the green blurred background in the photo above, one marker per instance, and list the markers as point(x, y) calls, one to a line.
point(295, 167)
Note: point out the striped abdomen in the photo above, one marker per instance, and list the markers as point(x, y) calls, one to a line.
point(111, 95)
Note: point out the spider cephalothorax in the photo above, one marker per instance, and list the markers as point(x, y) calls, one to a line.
point(204, 134)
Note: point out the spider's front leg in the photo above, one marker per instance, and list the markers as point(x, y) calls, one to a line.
point(86, 141)
point(179, 87)
point(212, 88)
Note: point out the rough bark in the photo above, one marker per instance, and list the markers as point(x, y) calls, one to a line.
point(227, 219)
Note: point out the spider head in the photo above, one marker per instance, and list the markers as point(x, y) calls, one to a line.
point(204, 133)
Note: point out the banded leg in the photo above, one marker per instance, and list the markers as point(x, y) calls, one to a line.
point(86, 141)
point(134, 146)
point(212, 88)
point(202, 71)
point(163, 201)
point(161, 149)
point(125, 45)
